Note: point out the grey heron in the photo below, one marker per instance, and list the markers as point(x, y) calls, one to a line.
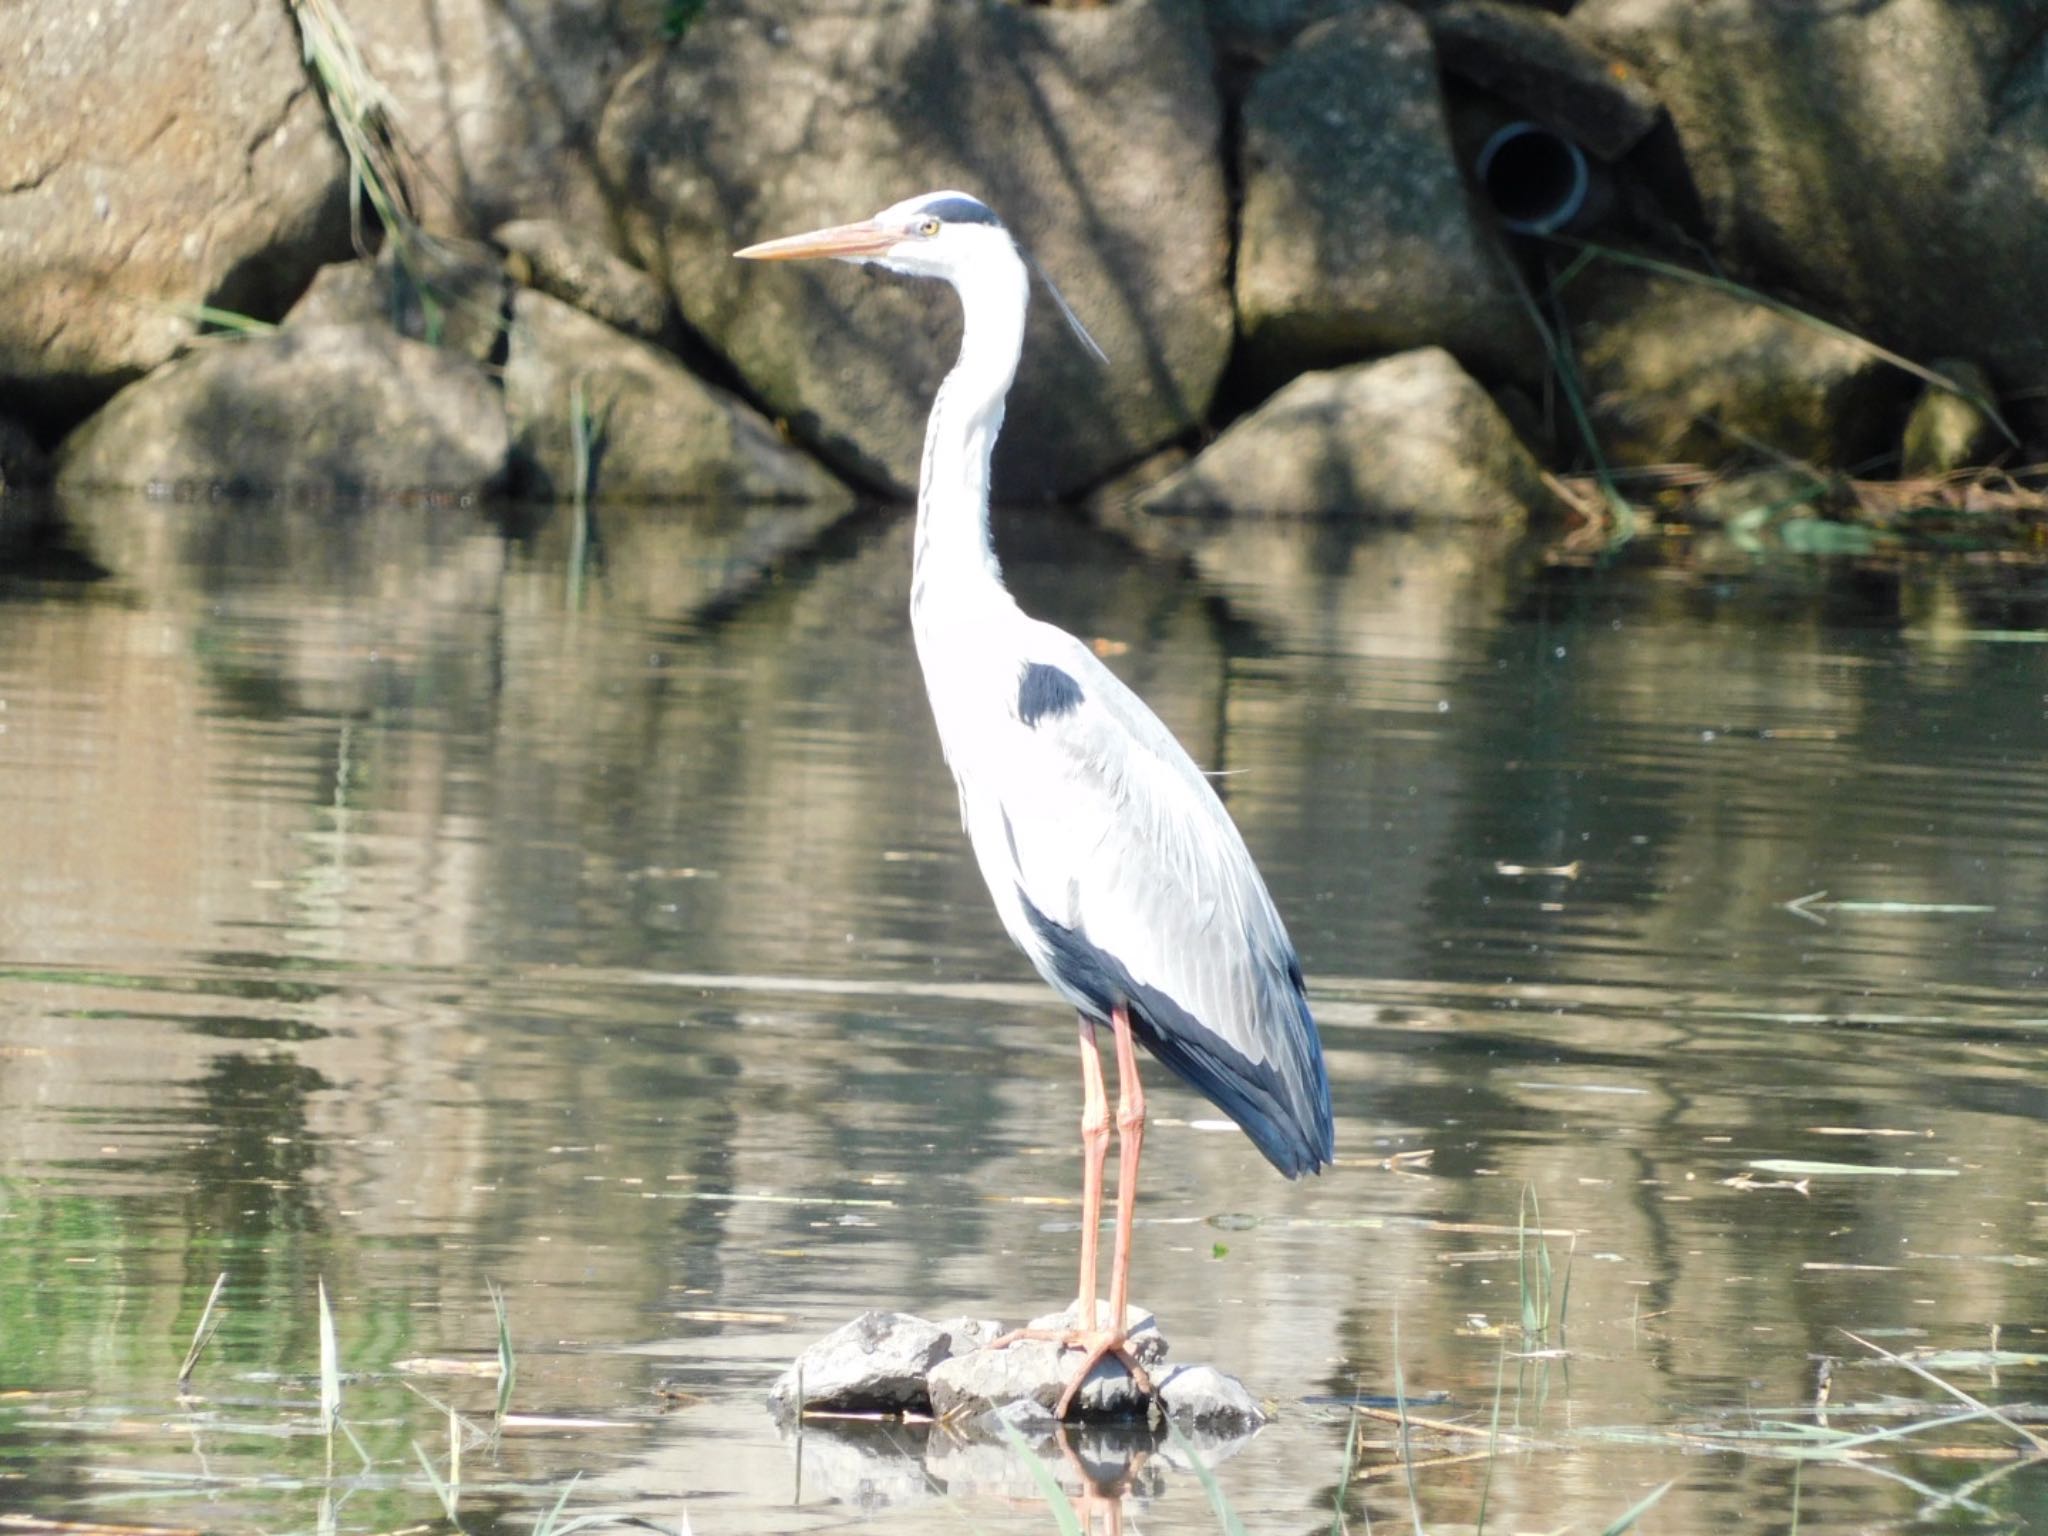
point(1112, 862)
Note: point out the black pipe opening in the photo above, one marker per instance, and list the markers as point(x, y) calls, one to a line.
point(1537, 181)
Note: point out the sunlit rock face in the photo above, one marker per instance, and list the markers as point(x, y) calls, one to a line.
point(153, 158)
point(1410, 437)
point(1887, 163)
point(498, 100)
point(1095, 134)
point(319, 410)
point(666, 434)
point(1675, 372)
point(1358, 235)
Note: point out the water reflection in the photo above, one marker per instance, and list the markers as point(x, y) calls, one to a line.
point(385, 899)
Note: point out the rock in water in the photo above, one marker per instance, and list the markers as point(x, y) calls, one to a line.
point(323, 410)
point(1038, 1371)
point(891, 1362)
point(875, 1364)
point(1200, 1397)
point(971, 1332)
point(1411, 436)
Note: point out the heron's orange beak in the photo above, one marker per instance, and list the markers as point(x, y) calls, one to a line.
point(867, 238)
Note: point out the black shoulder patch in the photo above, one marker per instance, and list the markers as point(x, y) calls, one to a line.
point(961, 210)
point(1046, 690)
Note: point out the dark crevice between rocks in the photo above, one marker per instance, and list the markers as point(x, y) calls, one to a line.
point(39, 549)
point(691, 348)
point(1234, 393)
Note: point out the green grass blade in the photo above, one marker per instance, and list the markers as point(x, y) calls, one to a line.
point(203, 1332)
point(1344, 1481)
point(1564, 1294)
point(443, 1491)
point(1226, 1517)
point(1526, 1279)
point(1792, 312)
point(225, 322)
point(330, 1367)
point(1640, 1508)
point(1407, 1450)
point(1500, 1372)
point(1565, 368)
point(1956, 1392)
point(546, 1525)
point(348, 1433)
point(1056, 1499)
point(507, 1364)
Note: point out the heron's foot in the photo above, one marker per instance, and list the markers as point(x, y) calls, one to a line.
point(1096, 1345)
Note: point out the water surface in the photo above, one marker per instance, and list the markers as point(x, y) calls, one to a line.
point(383, 900)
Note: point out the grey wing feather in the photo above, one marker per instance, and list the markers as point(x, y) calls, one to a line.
point(1110, 833)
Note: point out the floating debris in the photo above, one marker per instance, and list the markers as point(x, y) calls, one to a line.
point(1811, 905)
point(1801, 1168)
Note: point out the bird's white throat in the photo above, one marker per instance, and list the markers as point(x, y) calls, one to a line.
point(955, 558)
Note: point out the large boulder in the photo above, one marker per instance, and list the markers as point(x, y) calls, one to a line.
point(153, 158)
point(1678, 372)
point(572, 264)
point(1410, 436)
point(1887, 163)
point(450, 293)
point(1253, 32)
point(877, 1363)
point(662, 434)
point(309, 411)
point(498, 98)
point(1947, 430)
point(1536, 62)
point(1358, 233)
point(1094, 133)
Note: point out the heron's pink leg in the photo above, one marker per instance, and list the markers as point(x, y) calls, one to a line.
point(1130, 1141)
point(1094, 1153)
point(1130, 1137)
point(1100, 1342)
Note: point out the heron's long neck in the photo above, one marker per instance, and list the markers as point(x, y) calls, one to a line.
point(954, 557)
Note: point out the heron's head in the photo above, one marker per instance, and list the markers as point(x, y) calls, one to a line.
point(947, 235)
point(939, 234)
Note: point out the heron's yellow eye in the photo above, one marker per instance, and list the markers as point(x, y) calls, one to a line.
point(928, 227)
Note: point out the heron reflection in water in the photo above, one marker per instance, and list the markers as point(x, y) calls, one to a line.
point(1112, 863)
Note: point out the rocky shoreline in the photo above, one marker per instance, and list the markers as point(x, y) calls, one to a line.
point(1348, 257)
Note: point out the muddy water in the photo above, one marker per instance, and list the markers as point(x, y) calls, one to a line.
point(385, 900)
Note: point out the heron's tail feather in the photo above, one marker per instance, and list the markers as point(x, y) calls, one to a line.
point(1286, 1113)
point(1282, 1102)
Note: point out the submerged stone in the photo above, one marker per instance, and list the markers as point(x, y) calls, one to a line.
point(1200, 1397)
point(1038, 1370)
point(875, 1364)
point(895, 1363)
point(1408, 436)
